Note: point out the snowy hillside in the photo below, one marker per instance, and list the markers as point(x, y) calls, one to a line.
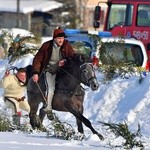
point(122, 100)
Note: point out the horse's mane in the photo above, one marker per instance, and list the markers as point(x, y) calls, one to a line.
point(28, 72)
point(70, 63)
point(75, 59)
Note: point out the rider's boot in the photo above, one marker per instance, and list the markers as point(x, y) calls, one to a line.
point(50, 114)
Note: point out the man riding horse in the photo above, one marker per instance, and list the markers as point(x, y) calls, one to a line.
point(51, 55)
point(67, 97)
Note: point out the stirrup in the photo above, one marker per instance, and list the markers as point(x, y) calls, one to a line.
point(50, 115)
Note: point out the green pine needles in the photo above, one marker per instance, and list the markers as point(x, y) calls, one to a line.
point(61, 130)
point(5, 124)
point(16, 47)
point(122, 130)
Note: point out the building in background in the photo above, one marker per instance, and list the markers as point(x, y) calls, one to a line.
point(29, 14)
point(26, 14)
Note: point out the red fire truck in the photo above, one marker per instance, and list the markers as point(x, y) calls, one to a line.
point(129, 18)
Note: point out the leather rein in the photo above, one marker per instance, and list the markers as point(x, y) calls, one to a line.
point(71, 92)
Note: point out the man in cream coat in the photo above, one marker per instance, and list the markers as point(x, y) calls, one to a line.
point(14, 93)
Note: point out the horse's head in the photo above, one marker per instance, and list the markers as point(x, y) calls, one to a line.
point(85, 72)
point(88, 76)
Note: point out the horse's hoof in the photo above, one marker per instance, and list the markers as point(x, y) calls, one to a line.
point(79, 136)
point(100, 137)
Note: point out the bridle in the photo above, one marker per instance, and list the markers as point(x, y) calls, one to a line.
point(85, 75)
point(83, 72)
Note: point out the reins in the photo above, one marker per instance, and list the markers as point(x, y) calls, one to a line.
point(69, 74)
point(68, 92)
point(64, 91)
point(41, 91)
point(73, 76)
point(59, 90)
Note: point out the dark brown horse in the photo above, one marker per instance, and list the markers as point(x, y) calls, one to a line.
point(68, 95)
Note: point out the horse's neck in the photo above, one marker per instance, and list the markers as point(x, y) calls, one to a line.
point(67, 81)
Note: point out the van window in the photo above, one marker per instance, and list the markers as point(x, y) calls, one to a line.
point(120, 15)
point(121, 52)
point(143, 14)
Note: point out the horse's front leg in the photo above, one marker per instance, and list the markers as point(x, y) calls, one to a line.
point(34, 119)
point(42, 114)
point(79, 116)
point(80, 126)
point(79, 103)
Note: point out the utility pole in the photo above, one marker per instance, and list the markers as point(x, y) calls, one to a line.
point(18, 14)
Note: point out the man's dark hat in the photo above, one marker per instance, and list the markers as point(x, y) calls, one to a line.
point(58, 33)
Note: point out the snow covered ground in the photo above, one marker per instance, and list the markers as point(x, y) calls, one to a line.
point(122, 100)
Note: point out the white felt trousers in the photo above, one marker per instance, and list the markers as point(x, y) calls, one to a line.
point(51, 88)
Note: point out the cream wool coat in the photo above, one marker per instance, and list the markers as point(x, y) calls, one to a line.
point(14, 88)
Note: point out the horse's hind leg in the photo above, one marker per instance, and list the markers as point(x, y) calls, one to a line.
point(79, 116)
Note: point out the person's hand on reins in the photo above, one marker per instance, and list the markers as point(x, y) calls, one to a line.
point(35, 77)
point(61, 63)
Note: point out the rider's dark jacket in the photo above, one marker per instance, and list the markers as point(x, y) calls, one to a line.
point(43, 56)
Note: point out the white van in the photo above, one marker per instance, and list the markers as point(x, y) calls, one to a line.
point(125, 50)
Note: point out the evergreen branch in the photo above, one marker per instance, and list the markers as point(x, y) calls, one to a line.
point(123, 131)
point(62, 129)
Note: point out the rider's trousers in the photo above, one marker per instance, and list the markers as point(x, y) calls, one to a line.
point(50, 89)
